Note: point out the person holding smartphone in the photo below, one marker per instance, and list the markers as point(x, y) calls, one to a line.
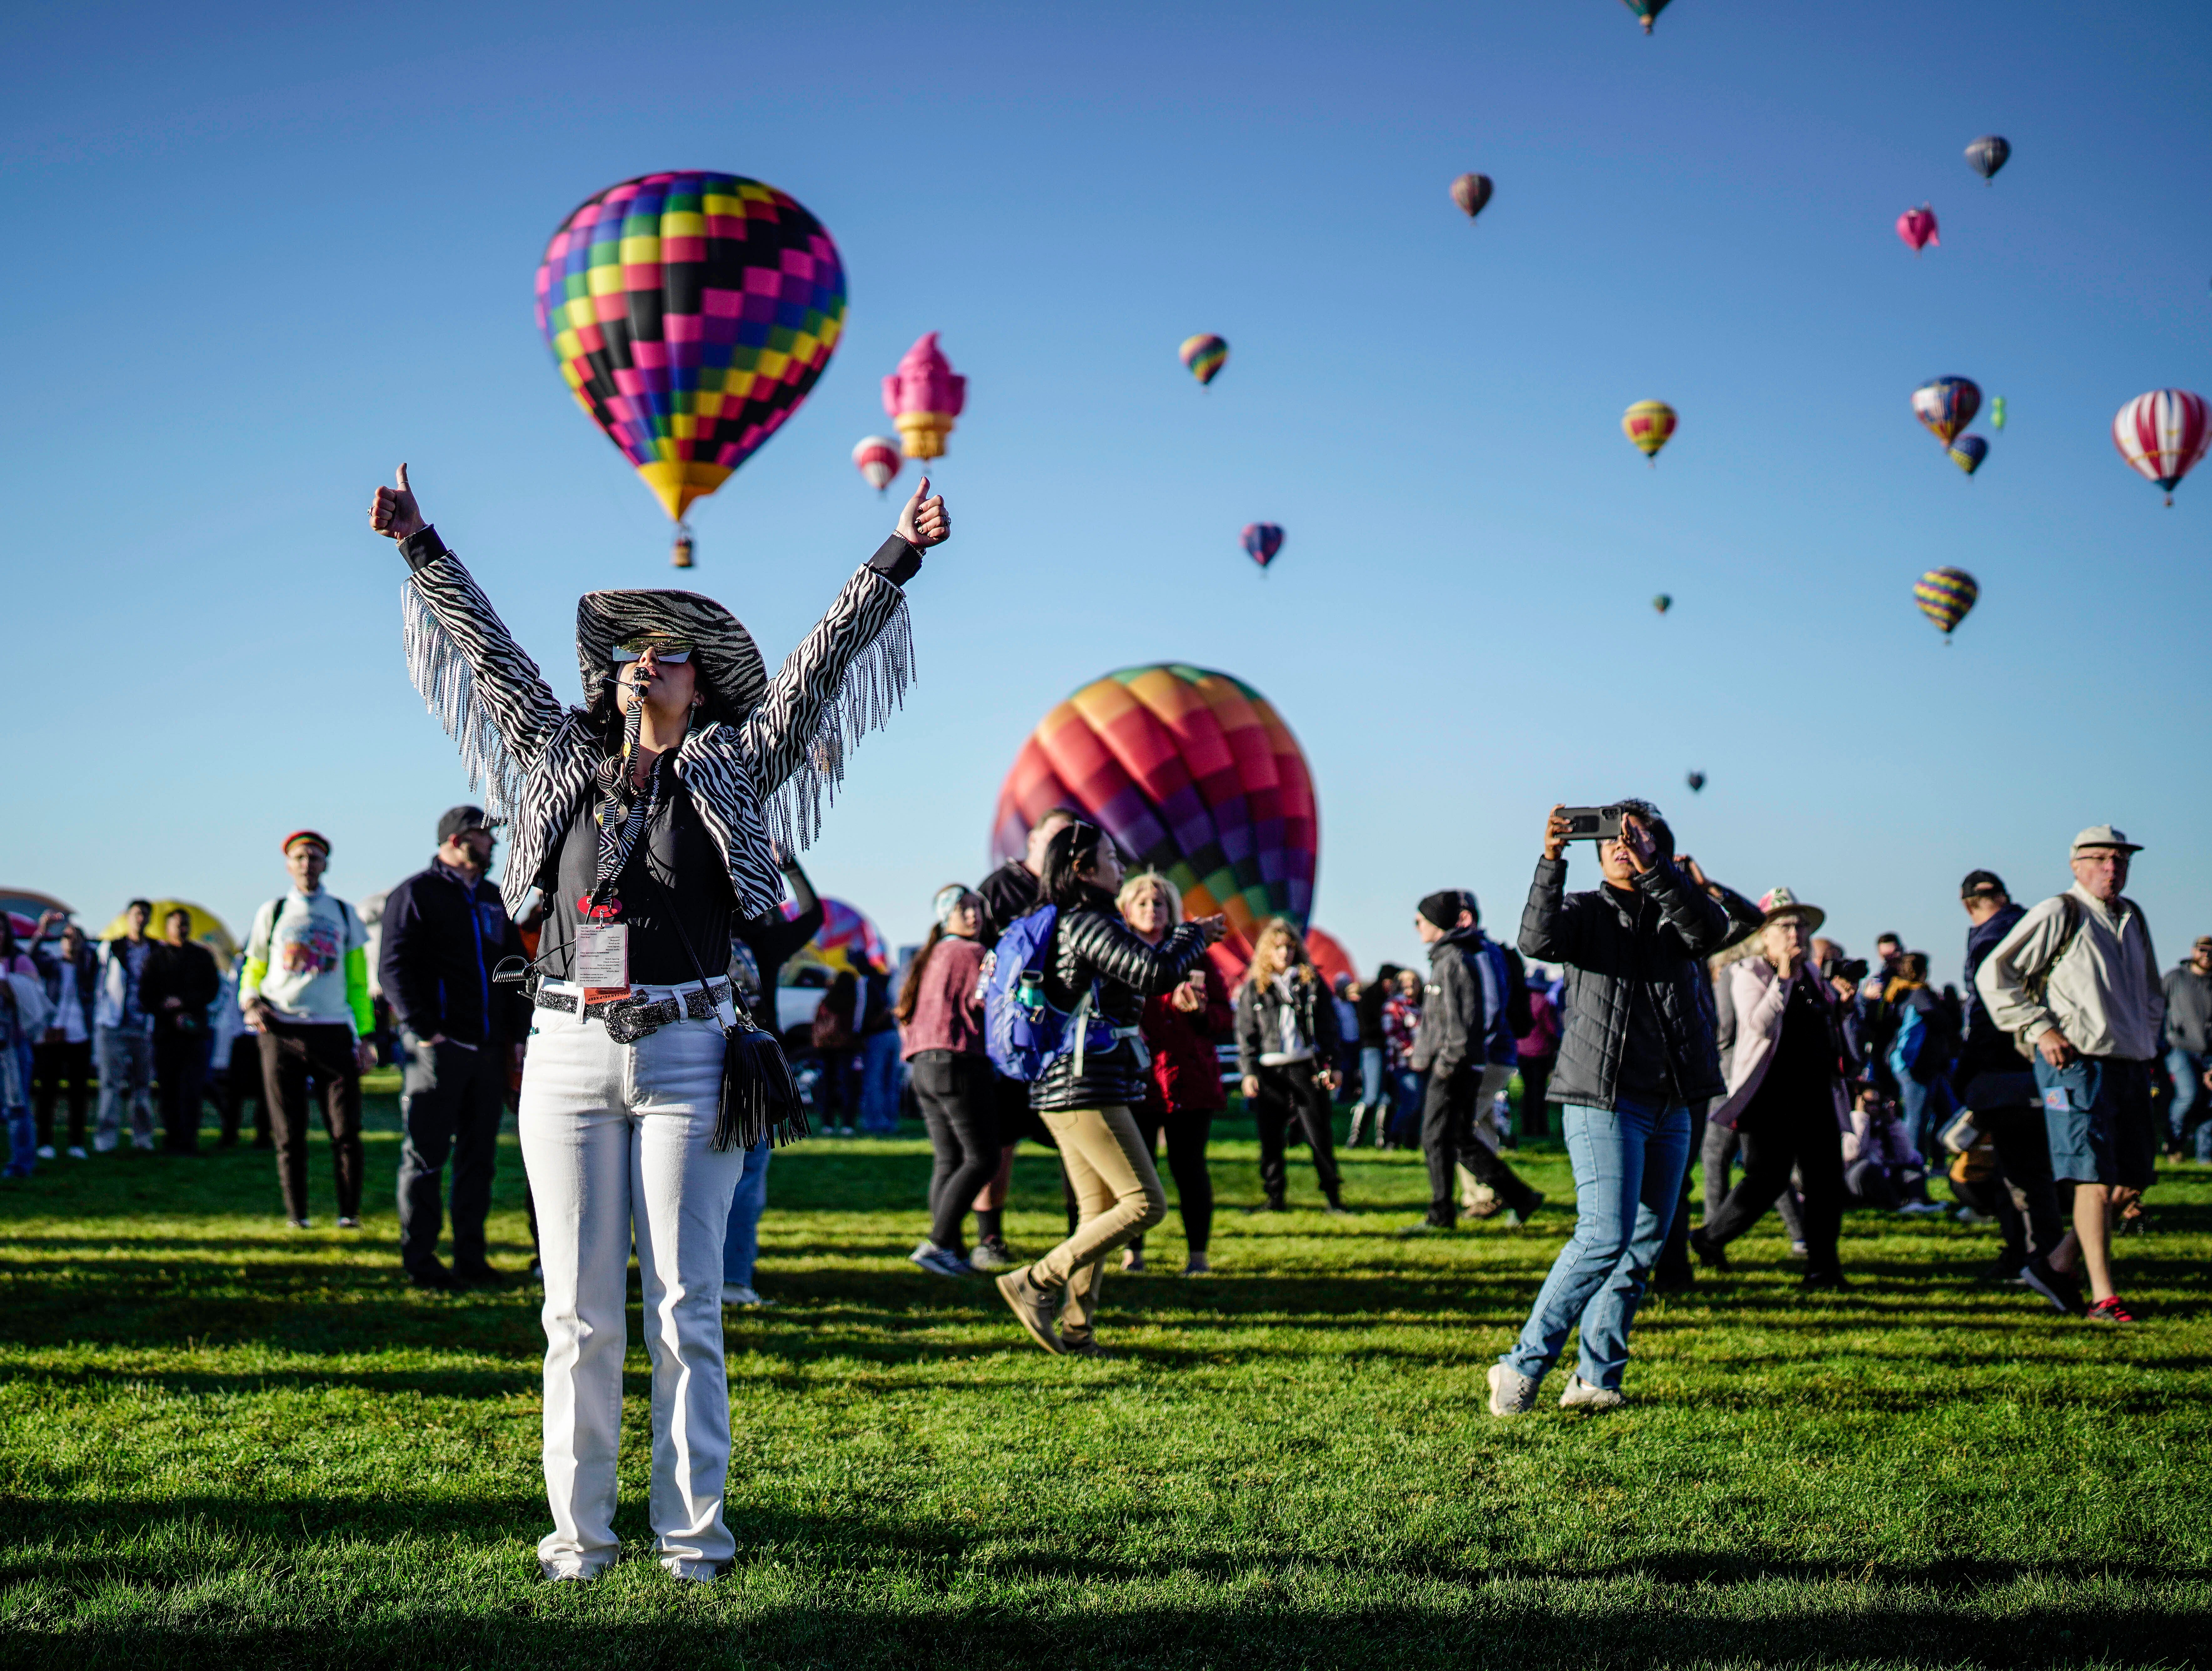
point(1637, 1051)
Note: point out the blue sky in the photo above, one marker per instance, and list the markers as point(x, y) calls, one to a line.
point(264, 253)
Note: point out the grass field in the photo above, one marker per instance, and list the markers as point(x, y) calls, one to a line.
point(225, 1444)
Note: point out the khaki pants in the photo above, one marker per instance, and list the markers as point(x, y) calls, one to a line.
point(1118, 1198)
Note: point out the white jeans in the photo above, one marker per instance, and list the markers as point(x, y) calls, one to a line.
point(615, 1139)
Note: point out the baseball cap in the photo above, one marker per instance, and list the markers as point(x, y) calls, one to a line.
point(2104, 835)
point(459, 819)
point(1983, 882)
point(316, 837)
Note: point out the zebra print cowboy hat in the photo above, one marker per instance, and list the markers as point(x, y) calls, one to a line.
point(730, 675)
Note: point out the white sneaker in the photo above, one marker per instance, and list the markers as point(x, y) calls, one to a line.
point(46, 1151)
point(1581, 1395)
point(1920, 1209)
point(1511, 1393)
point(144, 1146)
point(75, 1152)
point(738, 1297)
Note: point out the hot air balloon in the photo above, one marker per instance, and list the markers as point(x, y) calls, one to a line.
point(1193, 773)
point(1662, 603)
point(1697, 782)
point(1968, 452)
point(1997, 413)
point(876, 458)
point(1947, 405)
point(923, 397)
point(846, 937)
point(1918, 227)
point(1470, 192)
point(1987, 154)
point(1945, 595)
point(690, 314)
point(1261, 540)
point(1330, 960)
point(1205, 355)
point(1650, 424)
point(1648, 11)
point(2162, 435)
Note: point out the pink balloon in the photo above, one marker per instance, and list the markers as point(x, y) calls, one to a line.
point(1918, 227)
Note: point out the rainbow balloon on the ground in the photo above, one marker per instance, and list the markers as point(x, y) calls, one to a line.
point(1193, 773)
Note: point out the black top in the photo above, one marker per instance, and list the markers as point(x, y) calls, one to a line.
point(186, 973)
point(441, 940)
point(673, 889)
point(1090, 942)
point(1009, 892)
point(1796, 1086)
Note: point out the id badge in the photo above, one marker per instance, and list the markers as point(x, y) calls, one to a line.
point(2055, 1099)
point(601, 966)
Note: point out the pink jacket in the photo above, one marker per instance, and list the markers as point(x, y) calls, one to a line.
point(1759, 1001)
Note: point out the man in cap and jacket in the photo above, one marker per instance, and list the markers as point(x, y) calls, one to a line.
point(444, 933)
point(2076, 982)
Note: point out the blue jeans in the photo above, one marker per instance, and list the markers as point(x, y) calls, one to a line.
point(1921, 1111)
point(879, 1081)
point(741, 1241)
point(1371, 1093)
point(2190, 1099)
point(1408, 1089)
point(1628, 1181)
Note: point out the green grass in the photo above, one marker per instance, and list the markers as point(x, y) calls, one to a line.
point(225, 1444)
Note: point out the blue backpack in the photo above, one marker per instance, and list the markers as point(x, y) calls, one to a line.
point(1023, 1032)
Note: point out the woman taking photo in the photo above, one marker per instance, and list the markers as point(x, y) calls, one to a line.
point(651, 816)
point(1287, 1039)
point(1785, 1096)
point(1085, 1094)
point(1181, 1029)
point(941, 1027)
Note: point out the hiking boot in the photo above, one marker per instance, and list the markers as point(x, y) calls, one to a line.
point(991, 1253)
point(1581, 1395)
point(1711, 1255)
point(1034, 1308)
point(2109, 1311)
point(1511, 1393)
point(1084, 1346)
point(1521, 1215)
point(2062, 1288)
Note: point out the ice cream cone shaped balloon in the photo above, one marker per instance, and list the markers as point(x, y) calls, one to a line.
point(923, 397)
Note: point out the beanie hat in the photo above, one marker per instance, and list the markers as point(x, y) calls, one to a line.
point(1442, 908)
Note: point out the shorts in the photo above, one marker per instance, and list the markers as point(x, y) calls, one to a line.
point(1016, 1118)
point(2098, 1111)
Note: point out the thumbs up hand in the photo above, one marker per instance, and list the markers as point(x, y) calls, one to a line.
point(923, 522)
point(394, 514)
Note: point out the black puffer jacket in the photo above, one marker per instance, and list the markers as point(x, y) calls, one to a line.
point(1642, 951)
point(1090, 942)
point(1260, 1020)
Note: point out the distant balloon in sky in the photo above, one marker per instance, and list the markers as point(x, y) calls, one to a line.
point(1651, 425)
point(1918, 227)
point(1662, 603)
point(1947, 405)
point(1261, 540)
point(1987, 154)
point(1968, 452)
point(877, 458)
point(1470, 192)
point(1648, 11)
point(1696, 780)
point(2162, 435)
point(1997, 413)
point(1205, 355)
point(923, 397)
point(1945, 595)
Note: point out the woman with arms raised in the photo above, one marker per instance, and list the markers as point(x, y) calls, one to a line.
point(646, 816)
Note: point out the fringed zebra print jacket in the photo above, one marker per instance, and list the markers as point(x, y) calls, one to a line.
point(758, 782)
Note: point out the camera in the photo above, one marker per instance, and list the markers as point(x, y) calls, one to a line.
point(1853, 970)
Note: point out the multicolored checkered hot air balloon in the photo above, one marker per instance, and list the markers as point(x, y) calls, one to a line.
point(1651, 425)
point(845, 936)
point(690, 314)
point(1947, 405)
point(1205, 356)
point(1945, 595)
point(1968, 452)
point(2162, 435)
point(1194, 774)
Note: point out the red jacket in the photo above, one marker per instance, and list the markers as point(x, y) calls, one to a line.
point(1186, 1073)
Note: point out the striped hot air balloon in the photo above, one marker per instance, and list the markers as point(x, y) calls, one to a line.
point(1987, 154)
point(1205, 355)
point(1651, 425)
point(1968, 452)
point(878, 460)
point(1470, 192)
point(1194, 774)
point(1947, 405)
point(2162, 435)
point(1945, 595)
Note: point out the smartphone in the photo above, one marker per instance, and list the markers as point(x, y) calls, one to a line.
point(1592, 823)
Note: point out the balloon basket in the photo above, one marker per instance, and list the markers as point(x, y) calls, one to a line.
point(680, 557)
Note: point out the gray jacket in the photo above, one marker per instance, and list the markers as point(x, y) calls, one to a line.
point(2189, 1011)
point(2102, 995)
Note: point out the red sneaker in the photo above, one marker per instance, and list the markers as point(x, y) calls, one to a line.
point(2109, 1311)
